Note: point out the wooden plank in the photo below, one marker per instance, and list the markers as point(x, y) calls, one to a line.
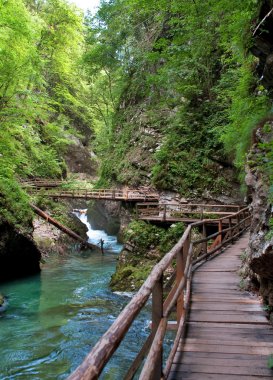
point(230, 299)
point(221, 328)
point(243, 338)
point(219, 293)
point(224, 370)
point(216, 275)
point(195, 376)
point(218, 306)
point(221, 317)
point(207, 286)
point(219, 355)
point(230, 325)
point(232, 334)
point(227, 342)
point(243, 349)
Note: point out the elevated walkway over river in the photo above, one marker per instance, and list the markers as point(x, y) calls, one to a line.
point(227, 334)
point(55, 189)
point(221, 331)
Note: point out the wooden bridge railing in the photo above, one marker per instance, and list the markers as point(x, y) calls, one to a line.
point(183, 258)
point(168, 211)
point(110, 194)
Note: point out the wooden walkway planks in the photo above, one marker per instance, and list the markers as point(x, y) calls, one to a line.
point(228, 336)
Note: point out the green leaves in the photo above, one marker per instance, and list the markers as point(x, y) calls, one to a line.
point(184, 70)
point(42, 93)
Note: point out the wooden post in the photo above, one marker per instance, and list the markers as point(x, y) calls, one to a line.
point(205, 243)
point(220, 229)
point(157, 314)
point(244, 216)
point(230, 226)
point(164, 212)
point(180, 266)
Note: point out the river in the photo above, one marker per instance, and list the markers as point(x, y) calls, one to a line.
point(54, 318)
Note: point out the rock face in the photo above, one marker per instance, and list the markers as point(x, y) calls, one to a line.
point(80, 159)
point(19, 256)
point(50, 239)
point(259, 264)
point(262, 47)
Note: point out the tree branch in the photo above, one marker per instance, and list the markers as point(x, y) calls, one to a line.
point(260, 23)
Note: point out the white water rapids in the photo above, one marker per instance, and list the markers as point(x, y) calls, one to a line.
point(94, 236)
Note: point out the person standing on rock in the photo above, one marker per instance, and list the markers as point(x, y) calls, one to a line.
point(101, 245)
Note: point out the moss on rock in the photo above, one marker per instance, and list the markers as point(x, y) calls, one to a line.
point(145, 245)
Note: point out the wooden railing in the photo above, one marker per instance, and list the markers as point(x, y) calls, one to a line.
point(110, 194)
point(175, 212)
point(183, 258)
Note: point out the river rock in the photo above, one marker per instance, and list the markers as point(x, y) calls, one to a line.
point(3, 303)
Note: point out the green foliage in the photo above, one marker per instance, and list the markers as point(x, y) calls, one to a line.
point(145, 236)
point(42, 94)
point(149, 244)
point(14, 203)
point(179, 67)
point(171, 237)
point(269, 235)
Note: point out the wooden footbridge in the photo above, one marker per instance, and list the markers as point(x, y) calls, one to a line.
point(187, 212)
point(221, 331)
point(128, 195)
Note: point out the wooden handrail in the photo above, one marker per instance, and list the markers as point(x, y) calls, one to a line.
point(165, 212)
point(234, 207)
point(95, 361)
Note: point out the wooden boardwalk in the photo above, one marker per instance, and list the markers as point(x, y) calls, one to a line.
point(228, 336)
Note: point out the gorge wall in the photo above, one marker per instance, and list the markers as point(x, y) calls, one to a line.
point(259, 262)
point(19, 256)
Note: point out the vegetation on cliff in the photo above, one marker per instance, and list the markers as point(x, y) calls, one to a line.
point(180, 91)
point(166, 86)
point(145, 246)
point(42, 95)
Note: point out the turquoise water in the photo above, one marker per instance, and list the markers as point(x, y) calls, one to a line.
point(55, 318)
